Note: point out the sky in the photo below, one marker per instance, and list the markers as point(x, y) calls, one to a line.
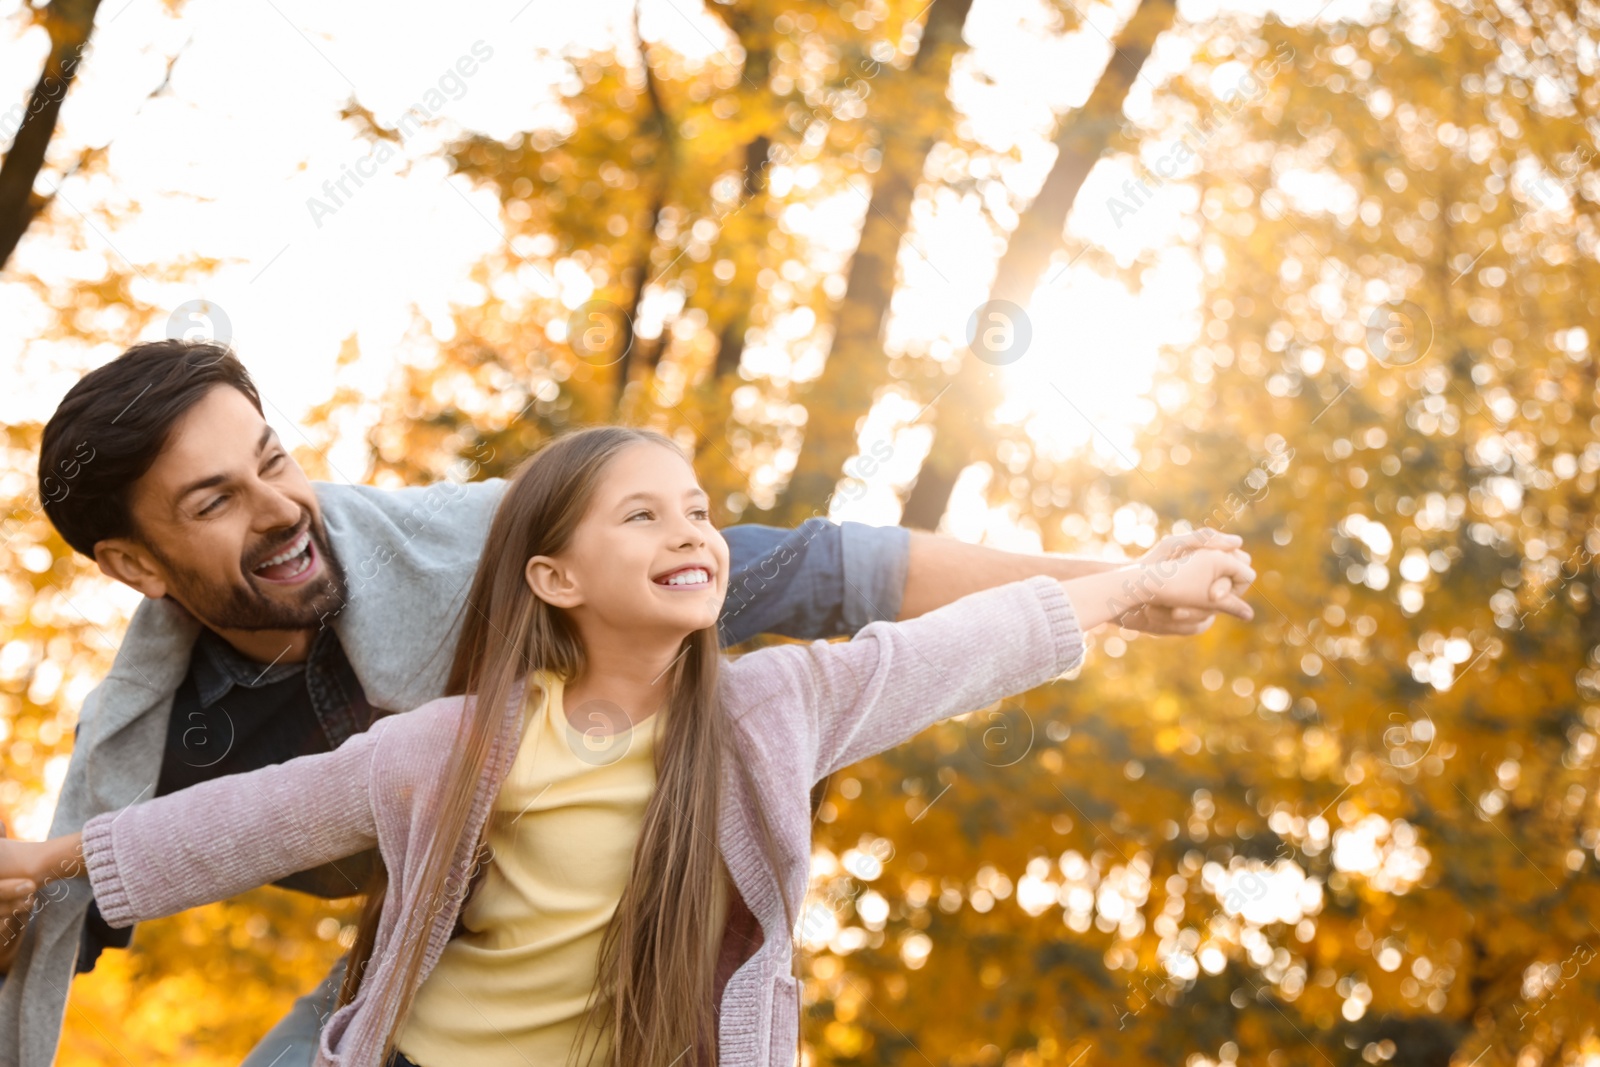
point(237, 161)
point(234, 162)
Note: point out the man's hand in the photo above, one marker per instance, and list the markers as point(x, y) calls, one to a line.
point(16, 906)
point(1179, 622)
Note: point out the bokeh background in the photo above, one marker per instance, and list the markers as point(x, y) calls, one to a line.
point(1058, 275)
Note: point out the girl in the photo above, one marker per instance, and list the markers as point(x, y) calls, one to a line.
point(599, 845)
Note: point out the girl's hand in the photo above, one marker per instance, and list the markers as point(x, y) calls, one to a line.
point(16, 905)
point(1178, 622)
point(26, 865)
point(1206, 579)
point(16, 868)
point(1201, 582)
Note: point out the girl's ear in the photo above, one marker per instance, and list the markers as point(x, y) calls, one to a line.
point(552, 582)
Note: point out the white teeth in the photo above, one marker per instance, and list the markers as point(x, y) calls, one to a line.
point(690, 577)
point(289, 553)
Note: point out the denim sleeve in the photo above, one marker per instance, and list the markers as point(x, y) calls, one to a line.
point(821, 579)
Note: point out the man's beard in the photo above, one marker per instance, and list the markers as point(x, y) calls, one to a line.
point(244, 607)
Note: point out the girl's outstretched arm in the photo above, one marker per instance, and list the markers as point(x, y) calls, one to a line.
point(36, 863)
point(895, 679)
point(222, 837)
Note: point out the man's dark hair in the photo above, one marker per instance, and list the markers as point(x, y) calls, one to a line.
point(114, 423)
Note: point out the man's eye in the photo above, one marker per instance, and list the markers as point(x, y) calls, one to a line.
point(215, 503)
point(276, 460)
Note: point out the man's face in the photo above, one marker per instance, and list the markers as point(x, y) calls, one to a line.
point(226, 523)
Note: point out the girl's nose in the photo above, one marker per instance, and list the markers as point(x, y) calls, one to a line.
point(689, 535)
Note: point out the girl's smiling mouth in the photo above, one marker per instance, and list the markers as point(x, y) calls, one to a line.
point(692, 576)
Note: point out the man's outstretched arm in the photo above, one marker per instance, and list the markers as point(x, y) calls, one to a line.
point(942, 569)
point(827, 579)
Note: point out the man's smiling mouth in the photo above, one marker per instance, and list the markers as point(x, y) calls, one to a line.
point(292, 562)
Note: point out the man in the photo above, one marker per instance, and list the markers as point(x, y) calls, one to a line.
point(281, 617)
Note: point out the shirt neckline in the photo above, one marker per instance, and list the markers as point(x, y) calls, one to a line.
point(219, 666)
point(553, 690)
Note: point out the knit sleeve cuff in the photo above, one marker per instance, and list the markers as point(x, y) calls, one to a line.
point(1065, 631)
point(105, 876)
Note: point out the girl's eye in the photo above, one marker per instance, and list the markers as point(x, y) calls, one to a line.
point(638, 515)
point(700, 515)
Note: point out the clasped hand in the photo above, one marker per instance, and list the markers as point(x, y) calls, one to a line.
point(1173, 611)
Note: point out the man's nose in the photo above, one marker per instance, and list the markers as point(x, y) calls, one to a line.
point(276, 509)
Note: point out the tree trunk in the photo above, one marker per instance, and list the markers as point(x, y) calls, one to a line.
point(730, 336)
point(69, 23)
point(961, 412)
point(855, 366)
point(627, 336)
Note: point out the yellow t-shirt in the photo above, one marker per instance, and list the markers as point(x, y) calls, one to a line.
point(512, 990)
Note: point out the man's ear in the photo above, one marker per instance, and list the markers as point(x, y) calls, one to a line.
point(131, 565)
point(552, 582)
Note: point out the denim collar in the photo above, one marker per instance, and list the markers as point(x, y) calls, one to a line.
point(219, 666)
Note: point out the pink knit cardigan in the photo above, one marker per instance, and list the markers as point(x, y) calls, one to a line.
point(800, 713)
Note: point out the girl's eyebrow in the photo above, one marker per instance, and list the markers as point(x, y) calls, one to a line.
point(649, 497)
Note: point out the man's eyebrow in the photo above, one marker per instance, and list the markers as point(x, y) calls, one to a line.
point(218, 479)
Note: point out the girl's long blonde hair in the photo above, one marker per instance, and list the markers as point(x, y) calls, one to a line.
point(654, 991)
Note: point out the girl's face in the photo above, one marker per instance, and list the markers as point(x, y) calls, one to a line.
point(645, 556)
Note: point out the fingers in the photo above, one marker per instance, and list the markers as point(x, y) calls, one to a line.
point(1161, 621)
point(1236, 567)
point(16, 895)
point(1174, 546)
point(1206, 537)
point(1179, 622)
point(1184, 629)
point(1230, 604)
point(1234, 576)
